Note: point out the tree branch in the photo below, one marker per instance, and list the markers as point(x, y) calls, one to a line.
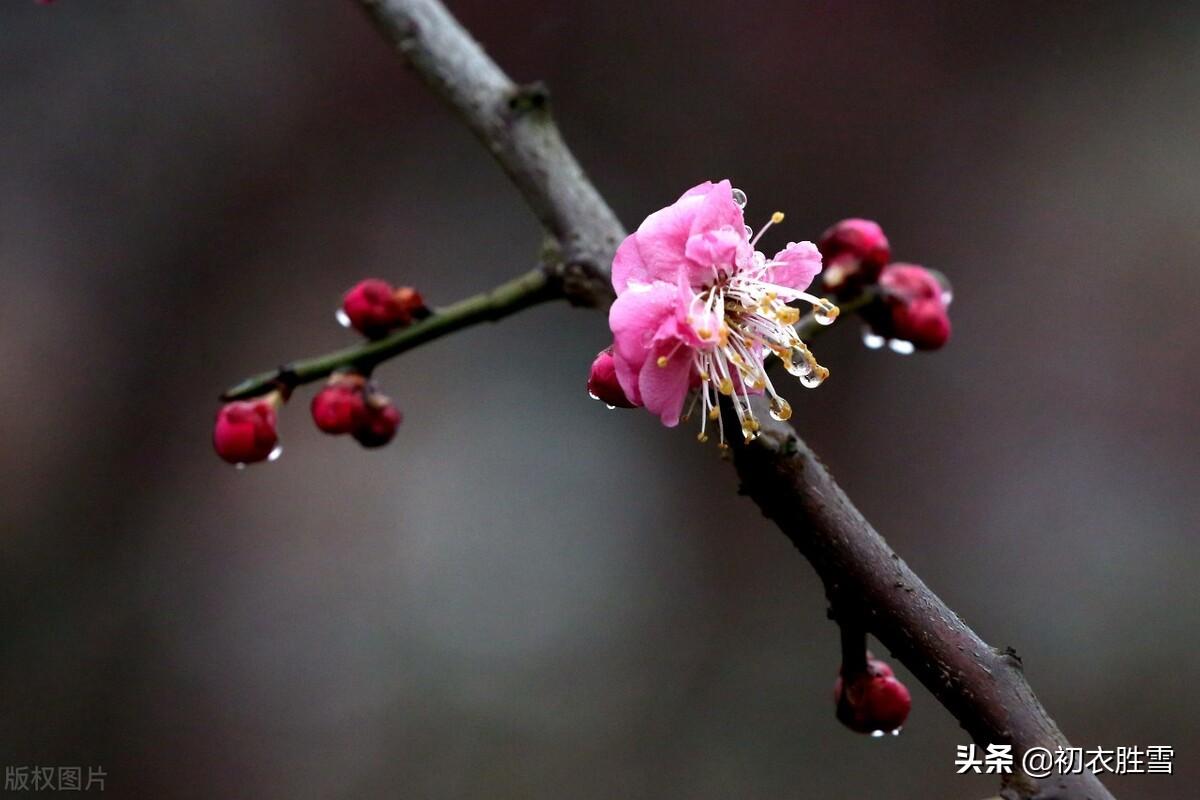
point(984, 688)
point(515, 125)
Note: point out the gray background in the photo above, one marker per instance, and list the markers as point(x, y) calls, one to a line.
point(526, 595)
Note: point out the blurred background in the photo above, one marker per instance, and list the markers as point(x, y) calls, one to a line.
point(526, 595)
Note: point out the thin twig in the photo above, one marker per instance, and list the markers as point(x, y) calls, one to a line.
point(508, 298)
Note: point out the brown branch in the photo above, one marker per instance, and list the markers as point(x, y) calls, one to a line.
point(984, 688)
point(515, 125)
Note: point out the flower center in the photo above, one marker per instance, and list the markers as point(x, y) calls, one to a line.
point(738, 319)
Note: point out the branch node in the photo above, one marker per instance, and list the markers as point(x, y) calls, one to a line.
point(529, 97)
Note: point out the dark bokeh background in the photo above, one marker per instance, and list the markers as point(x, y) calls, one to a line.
point(527, 596)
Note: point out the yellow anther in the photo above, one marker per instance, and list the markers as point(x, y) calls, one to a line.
point(726, 387)
point(704, 333)
point(777, 218)
point(714, 413)
point(702, 437)
point(662, 361)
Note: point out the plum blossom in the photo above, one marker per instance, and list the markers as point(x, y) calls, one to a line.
point(698, 310)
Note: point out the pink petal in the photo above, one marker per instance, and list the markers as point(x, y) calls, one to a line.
point(628, 265)
point(795, 266)
point(634, 319)
point(718, 210)
point(662, 238)
point(663, 389)
point(722, 247)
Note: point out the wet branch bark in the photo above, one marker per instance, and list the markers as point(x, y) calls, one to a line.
point(983, 687)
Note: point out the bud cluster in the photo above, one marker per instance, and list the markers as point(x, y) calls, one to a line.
point(910, 308)
point(246, 430)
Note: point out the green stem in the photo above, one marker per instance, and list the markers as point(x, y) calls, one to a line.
point(521, 292)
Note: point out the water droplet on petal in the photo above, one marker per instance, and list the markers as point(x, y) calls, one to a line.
point(342, 317)
point(896, 732)
point(872, 340)
point(276, 453)
point(781, 410)
point(740, 198)
point(749, 231)
point(947, 297)
point(240, 465)
point(593, 395)
point(904, 348)
point(759, 259)
point(877, 734)
point(610, 408)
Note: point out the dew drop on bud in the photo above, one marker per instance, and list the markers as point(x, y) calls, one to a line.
point(593, 395)
point(901, 346)
point(781, 410)
point(342, 317)
point(895, 732)
point(276, 453)
point(241, 465)
point(610, 408)
point(872, 340)
point(749, 231)
point(877, 734)
point(740, 198)
point(947, 297)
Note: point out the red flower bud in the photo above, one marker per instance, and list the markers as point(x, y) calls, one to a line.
point(372, 309)
point(916, 302)
point(411, 304)
point(245, 430)
point(855, 252)
point(380, 423)
point(603, 384)
point(340, 406)
point(873, 701)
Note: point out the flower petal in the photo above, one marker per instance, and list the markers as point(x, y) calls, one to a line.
point(634, 319)
point(663, 389)
point(795, 266)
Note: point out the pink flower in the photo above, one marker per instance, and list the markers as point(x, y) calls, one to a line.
point(698, 309)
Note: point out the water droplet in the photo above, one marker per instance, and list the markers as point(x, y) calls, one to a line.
point(610, 408)
point(896, 732)
point(276, 453)
point(947, 297)
point(759, 259)
point(593, 395)
point(815, 378)
point(872, 340)
point(240, 465)
point(740, 198)
point(877, 734)
point(904, 348)
point(781, 410)
point(798, 363)
point(749, 230)
point(342, 317)
point(825, 312)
